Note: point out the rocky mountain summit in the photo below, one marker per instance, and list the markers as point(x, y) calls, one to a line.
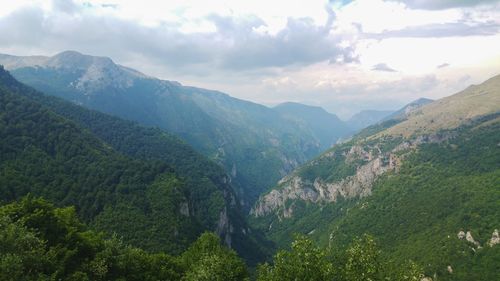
point(90, 73)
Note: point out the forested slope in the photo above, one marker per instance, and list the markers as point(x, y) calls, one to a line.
point(140, 182)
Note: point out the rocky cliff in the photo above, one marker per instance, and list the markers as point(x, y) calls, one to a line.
point(367, 161)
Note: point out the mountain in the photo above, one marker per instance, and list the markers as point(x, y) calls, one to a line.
point(425, 186)
point(324, 126)
point(149, 187)
point(366, 118)
point(452, 111)
point(407, 109)
point(256, 144)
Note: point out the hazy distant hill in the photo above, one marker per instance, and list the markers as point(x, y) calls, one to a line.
point(324, 126)
point(407, 109)
point(366, 118)
point(415, 183)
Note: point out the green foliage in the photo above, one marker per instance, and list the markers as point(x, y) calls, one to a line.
point(207, 260)
point(49, 156)
point(359, 262)
point(362, 260)
point(41, 242)
point(305, 261)
point(330, 169)
point(23, 255)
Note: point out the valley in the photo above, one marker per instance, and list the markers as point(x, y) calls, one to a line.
point(320, 140)
point(257, 145)
point(405, 173)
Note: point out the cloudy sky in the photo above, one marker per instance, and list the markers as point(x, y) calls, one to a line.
point(345, 56)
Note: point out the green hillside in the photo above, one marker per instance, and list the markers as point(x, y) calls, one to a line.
point(441, 189)
point(415, 194)
point(123, 178)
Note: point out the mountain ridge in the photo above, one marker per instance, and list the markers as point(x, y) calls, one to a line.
point(367, 118)
point(255, 143)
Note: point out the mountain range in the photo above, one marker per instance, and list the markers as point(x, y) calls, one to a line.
point(257, 145)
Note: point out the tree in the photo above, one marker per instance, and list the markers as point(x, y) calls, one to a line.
point(22, 254)
point(362, 260)
point(206, 259)
point(305, 261)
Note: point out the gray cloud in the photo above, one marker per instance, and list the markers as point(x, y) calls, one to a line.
point(443, 65)
point(234, 45)
point(455, 29)
point(66, 6)
point(383, 67)
point(443, 4)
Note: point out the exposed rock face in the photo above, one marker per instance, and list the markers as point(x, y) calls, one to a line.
point(288, 165)
point(184, 209)
point(320, 191)
point(495, 239)
point(370, 161)
point(224, 228)
point(470, 239)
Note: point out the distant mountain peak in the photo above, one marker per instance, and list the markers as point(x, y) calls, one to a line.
point(13, 62)
point(406, 110)
point(325, 126)
point(452, 111)
point(298, 104)
point(87, 73)
point(74, 59)
point(366, 118)
point(289, 105)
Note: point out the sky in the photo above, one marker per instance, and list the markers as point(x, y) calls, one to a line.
point(345, 56)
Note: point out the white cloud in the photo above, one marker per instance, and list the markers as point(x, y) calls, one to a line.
point(320, 52)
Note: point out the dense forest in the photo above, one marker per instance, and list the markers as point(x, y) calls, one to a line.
point(41, 242)
point(138, 182)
